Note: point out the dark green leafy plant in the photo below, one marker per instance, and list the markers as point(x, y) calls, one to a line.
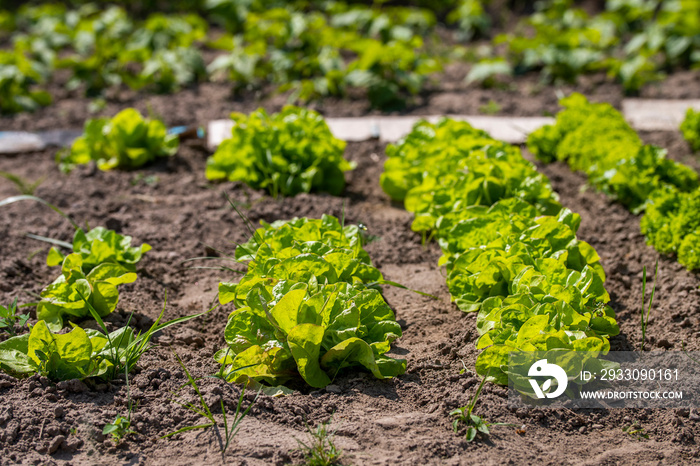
point(161, 32)
point(169, 70)
point(98, 42)
point(18, 76)
point(126, 141)
point(633, 41)
point(487, 71)
point(690, 127)
point(285, 153)
point(471, 19)
point(391, 72)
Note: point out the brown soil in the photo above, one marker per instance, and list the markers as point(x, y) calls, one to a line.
point(400, 421)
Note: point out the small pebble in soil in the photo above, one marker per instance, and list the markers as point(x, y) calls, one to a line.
point(664, 343)
point(333, 389)
point(73, 386)
point(56, 443)
point(58, 412)
point(73, 444)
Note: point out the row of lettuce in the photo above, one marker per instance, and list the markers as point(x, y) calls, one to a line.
point(633, 41)
point(294, 151)
point(285, 153)
point(332, 48)
point(596, 139)
point(509, 248)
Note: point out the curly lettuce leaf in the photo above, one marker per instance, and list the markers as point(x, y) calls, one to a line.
point(101, 245)
point(71, 294)
point(286, 153)
point(127, 141)
point(312, 333)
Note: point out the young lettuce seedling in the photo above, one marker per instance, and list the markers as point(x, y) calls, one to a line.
point(119, 428)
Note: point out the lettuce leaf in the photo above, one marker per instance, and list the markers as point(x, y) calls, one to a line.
point(67, 295)
point(314, 332)
point(101, 245)
point(78, 354)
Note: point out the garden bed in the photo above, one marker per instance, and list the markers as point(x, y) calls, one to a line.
point(404, 420)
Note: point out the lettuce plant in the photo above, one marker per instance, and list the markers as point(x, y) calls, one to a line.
point(471, 19)
point(101, 245)
point(80, 353)
point(169, 70)
point(312, 331)
point(391, 72)
point(307, 307)
point(73, 293)
point(285, 153)
point(634, 42)
point(18, 76)
point(467, 168)
point(56, 356)
point(126, 141)
point(690, 127)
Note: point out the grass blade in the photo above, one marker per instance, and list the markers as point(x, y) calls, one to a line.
point(27, 197)
point(55, 242)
